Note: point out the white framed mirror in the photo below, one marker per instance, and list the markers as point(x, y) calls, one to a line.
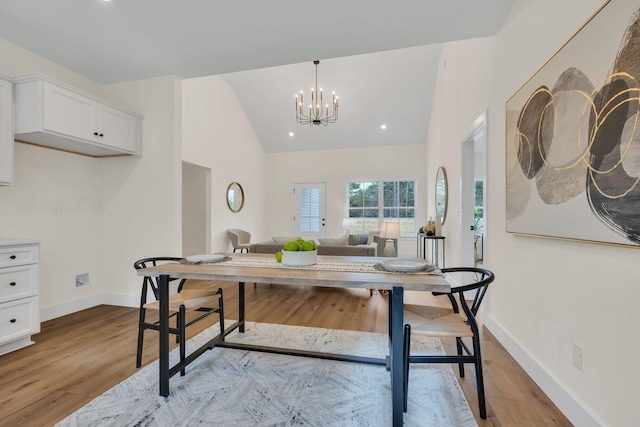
point(441, 194)
point(235, 197)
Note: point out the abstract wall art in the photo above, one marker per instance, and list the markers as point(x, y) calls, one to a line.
point(573, 136)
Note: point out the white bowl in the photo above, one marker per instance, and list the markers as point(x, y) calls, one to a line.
point(299, 258)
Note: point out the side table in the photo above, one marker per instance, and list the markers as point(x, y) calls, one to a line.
point(435, 255)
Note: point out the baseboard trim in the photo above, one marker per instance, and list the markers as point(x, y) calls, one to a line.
point(578, 414)
point(59, 310)
point(122, 300)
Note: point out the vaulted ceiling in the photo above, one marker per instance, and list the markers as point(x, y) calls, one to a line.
point(380, 56)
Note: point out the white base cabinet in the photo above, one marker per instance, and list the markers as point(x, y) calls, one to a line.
point(52, 114)
point(19, 306)
point(6, 131)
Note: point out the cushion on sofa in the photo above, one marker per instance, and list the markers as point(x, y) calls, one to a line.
point(358, 239)
point(283, 240)
point(372, 236)
point(344, 240)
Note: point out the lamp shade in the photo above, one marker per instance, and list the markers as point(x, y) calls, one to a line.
point(345, 223)
point(390, 230)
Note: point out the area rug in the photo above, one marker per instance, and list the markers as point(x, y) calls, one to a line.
point(227, 387)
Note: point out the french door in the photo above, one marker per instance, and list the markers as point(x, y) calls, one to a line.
point(309, 210)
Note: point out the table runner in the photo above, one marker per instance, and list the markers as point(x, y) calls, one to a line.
point(321, 264)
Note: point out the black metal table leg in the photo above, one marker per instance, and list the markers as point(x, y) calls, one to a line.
point(424, 248)
point(241, 306)
point(163, 289)
point(436, 253)
point(443, 254)
point(397, 375)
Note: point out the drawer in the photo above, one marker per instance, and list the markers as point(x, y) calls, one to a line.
point(18, 282)
point(18, 255)
point(19, 318)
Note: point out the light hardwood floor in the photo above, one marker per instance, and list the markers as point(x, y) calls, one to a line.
point(79, 356)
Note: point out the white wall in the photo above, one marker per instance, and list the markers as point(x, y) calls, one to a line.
point(47, 178)
point(44, 179)
point(461, 96)
point(142, 196)
point(114, 210)
point(548, 293)
point(217, 135)
point(336, 167)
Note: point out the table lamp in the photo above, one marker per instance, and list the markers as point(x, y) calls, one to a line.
point(391, 232)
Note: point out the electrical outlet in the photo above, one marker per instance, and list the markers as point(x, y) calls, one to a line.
point(578, 357)
point(57, 210)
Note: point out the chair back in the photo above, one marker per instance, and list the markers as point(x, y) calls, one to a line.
point(482, 279)
point(152, 282)
point(238, 237)
point(233, 236)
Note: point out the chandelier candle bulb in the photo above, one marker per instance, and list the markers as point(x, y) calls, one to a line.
point(317, 114)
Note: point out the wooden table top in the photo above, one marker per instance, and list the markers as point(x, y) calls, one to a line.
point(307, 277)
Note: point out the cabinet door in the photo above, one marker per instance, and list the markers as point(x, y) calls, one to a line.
point(19, 318)
point(18, 282)
point(69, 113)
point(6, 132)
point(117, 128)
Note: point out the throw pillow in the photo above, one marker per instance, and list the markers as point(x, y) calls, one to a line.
point(372, 235)
point(334, 240)
point(283, 240)
point(358, 239)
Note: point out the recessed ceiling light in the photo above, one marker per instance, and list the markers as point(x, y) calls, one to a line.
point(383, 126)
point(290, 133)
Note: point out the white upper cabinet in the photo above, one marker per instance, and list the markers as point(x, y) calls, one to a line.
point(117, 128)
point(6, 131)
point(55, 115)
point(65, 112)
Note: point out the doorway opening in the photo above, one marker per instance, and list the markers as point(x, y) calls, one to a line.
point(473, 194)
point(196, 209)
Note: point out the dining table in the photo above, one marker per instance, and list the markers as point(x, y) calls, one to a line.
point(328, 271)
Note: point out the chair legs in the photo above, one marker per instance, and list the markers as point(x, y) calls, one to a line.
point(221, 312)
point(460, 365)
point(479, 378)
point(406, 349)
point(180, 330)
point(477, 363)
point(141, 329)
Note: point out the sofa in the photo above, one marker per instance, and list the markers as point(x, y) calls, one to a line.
point(353, 245)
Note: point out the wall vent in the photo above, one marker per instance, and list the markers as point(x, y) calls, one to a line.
point(82, 280)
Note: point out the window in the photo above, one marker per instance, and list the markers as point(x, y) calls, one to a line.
point(370, 203)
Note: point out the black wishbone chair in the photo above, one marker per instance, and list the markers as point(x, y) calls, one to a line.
point(450, 322)
point(185, 300)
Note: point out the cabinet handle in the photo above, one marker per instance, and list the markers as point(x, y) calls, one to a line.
point(95, 133)
point(12, 320)
point(101, 135)
point(12, 284)
point(12, 257)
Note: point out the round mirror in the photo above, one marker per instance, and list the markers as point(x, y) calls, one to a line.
point(235, 197)
point(441, 194)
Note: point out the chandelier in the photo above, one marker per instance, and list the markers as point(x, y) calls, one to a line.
point(318, 115)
